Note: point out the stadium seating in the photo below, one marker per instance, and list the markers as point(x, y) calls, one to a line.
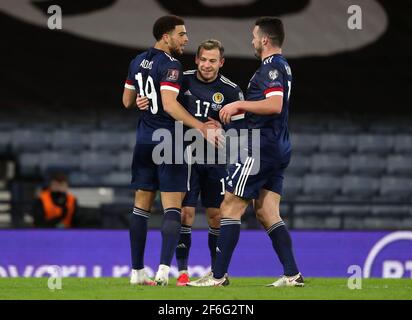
point(117, 178)
point(305, 143)
point(293, 186)
point(5, 140)
point(403, 143)
point(366, 164)
point(29, 140)
point(338, 143)
point(58, 161)
point(359, 187)
point(329, 163)
point(399, 165)
point(98, 162)
point(69, 140)
point(321, 184)
point(396, 188)
point(29, 163)
point(110, 141)
point(299, 164)
point(124, 160)
point(374, 143)
point(342, 174)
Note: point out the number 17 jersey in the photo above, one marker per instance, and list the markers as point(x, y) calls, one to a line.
point(149, 73)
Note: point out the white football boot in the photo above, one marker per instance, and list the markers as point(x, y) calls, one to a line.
point(140, 277)
point(209, 281)
point(207, 275)
point(162, 275)
point(285, 281)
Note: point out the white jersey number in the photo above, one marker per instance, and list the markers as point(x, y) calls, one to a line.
point(206, 105)
point(149, 91)
point(289, 87)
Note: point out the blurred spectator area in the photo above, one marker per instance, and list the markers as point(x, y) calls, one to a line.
point(345, 173)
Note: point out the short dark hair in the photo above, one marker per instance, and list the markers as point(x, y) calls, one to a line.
point(58, 176)
point(166, 24)
point(273, 28)
point(211, 44)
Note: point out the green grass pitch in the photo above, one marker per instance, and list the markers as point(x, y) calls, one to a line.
point(239, 288)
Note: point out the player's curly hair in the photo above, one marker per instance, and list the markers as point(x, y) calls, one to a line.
point(166, 24)
point(272, 28)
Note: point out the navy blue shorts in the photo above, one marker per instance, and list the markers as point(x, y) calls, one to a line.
point(243, 184)
point(209, 182)
point(147, 175)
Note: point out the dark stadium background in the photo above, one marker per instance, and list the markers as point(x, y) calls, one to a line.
point(368, 81)
point(350, 119)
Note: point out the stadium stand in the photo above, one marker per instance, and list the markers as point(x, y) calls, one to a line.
point(335, 180)
point(352, 159)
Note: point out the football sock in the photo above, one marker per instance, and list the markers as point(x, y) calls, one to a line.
point(170, 234)
point(282, 243)
point(183, 247)
point(226, 243)
point(212, 242)
point(137, 234)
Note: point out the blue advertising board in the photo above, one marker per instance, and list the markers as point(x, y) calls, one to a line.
point(105, 253)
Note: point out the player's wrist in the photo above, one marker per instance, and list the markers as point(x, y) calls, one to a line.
point(241, 106)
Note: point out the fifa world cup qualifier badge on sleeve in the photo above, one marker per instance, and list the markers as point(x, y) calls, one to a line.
point(172, 74)
point(273, 74)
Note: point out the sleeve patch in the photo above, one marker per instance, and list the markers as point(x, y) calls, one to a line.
point(172, 75)
point(273, 74)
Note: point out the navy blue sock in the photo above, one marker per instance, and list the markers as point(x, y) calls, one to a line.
point(226, 243)
point(138, 233)
point(170, 234)
point(183, 247)
point(212, 242)
point(282, 243)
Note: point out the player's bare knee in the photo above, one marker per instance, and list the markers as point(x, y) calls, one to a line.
point(144, 199)
point(172, 199)
point(259, 214)
point(213, 217)
point(188, 216)
point(232, 206)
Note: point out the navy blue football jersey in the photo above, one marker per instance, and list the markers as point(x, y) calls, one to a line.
point(274, 77)
point(149, 73)
point(205, 99)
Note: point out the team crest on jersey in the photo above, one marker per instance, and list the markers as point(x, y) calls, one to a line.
point(172, 74)
point(218, 98)
point(273, 74)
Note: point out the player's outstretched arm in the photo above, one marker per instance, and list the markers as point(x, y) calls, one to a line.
point(271, 105)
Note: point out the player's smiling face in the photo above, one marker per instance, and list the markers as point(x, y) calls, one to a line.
point(257, 42)
point(208, 64)
point(178, 40)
